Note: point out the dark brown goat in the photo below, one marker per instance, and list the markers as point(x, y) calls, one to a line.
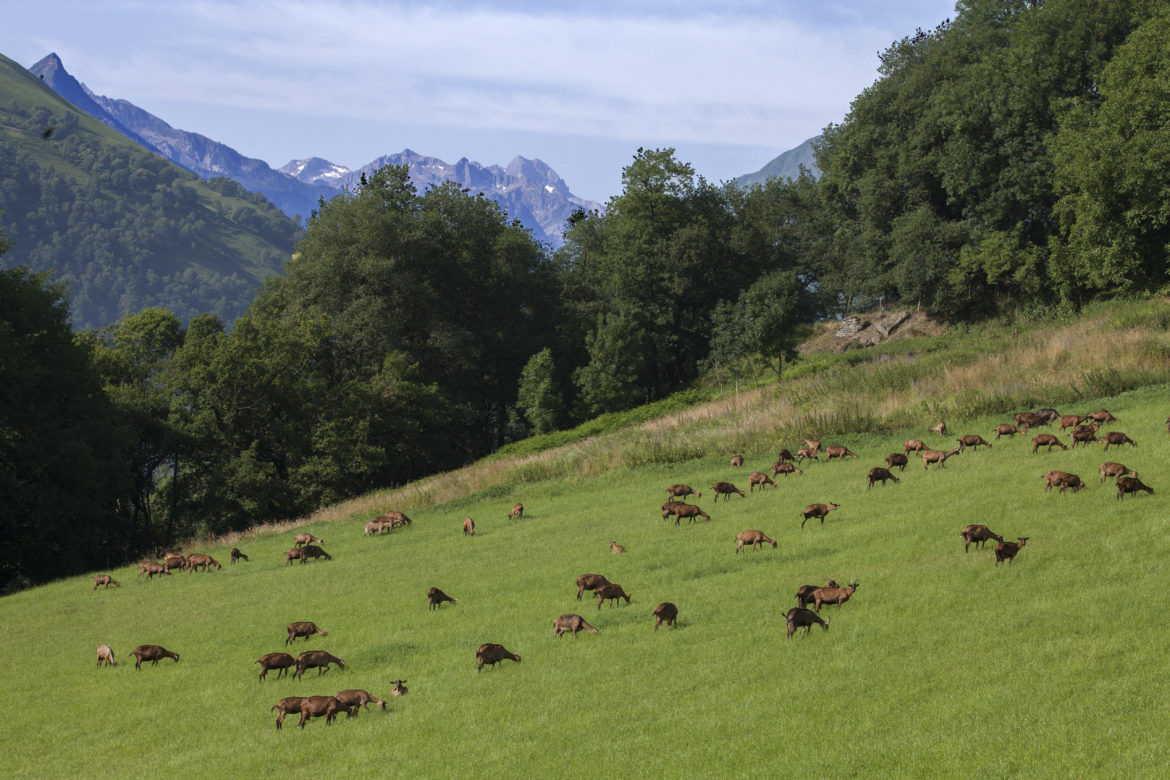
point(973, 440)
point(174, 561)
point(1027, 420)
point(978, 535)
point(238, 556)
point(752, 539)
point(1006, 551)
point(1006, 430)
point(436, 597)
point(876, 473)
point(1118, 438)
point(737, 460)
point(105, 655)
point(611, 592)
point(817, 510)
point(303, 628)
point(589, 582)
point(761, 479)
point(665, 613)
point(199, 560)
point(491, 654)
point(898, 460)
point(468, 527)
point(152, 653)
point(804, 594)
point(914, 445)
point(294, 554)
point(1111, 469)
point(315, 552)
point(1102, 416)
point(570, 622)
point(290, 705)
point(1131, 485)
point(804, 619)
point(689, 511)
point(1084, 435)
point(838, 451)
point(1071, 421)
point(1049, 441)
point(782, 467)
point(806, 452)
point(150, 568)
point(1063, 480)
point(302, 539)
point(681, 491)
point(316, 658)
point(786, 455)
point(670, 508)
point(356, 697)
point(104, 579)
point(936, 456)
point(1048, 415)
point(329, 706)
point(281, 661)
point(725, 489)
point(837, 595)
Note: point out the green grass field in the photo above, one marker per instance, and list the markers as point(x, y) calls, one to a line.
point(941, 664)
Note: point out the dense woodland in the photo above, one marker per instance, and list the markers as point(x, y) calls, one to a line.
point(1007, 162)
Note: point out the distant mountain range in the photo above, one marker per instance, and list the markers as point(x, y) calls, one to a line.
point(785, 166)
point(527, 190)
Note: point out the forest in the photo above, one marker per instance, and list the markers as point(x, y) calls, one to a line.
point(1006, 164)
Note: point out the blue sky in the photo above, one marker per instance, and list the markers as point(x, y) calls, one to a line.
point(729, 85)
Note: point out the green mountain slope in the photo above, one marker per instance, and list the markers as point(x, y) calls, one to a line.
point(123, 227)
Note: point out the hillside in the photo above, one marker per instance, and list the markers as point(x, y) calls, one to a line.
point(785, 166)
point(123, 227)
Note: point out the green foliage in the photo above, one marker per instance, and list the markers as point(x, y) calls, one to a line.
point(610, 381)
point(539, 396)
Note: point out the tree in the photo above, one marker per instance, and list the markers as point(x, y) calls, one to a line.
point(611, 381)
point(539, 397)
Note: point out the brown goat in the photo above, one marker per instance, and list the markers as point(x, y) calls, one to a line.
point(761, 479)
point(1102, 416)
point(302, 539)
point(152, 653)
point(611, 592)
point(517, 512)
point(681, 491)
point(314, 552)
point(392, 520)
point(316, 658)
point(670, 508)
point(1084, 435)
point(1006, 430)
point(877, 472)
point(1049, 441)
point(914, 445)
point(689, 511)
point(1048, 415)
point(782, 467)
point(752, 539)
point(812, 444)
point(589, 582)
point(940, 429)
point(150, 568)
point(491, 654)
point(837, 595)
point(838, 451)
point(572, 623)
point(281, 661)
point(1071, 421)
point(1062, 479)
point(174, 561)
point(1131, 485)
point(786, 455)
point(725, 489)
point(817, 510)
point(436, 597)
point(804, 594)
point(290, 705)
point(1028, 420)
point(376, 527)
point(303, 628)
point(898, 460)
point(1118, 438)
point(1006, 551)
point(294, 554)
point(238, 556)
point(468, 527)
point(665, 613)
point(1111, 469)
point(799, 617)
point(616, 548)
point(977, 535)
point(936, 456)
point(973, 440)
point(105, 655)
point(104, 579)
point(737, 460)
point(329, 706)
point(806, 453)
point(206, 561)
point(356, 697)
point(400, 688)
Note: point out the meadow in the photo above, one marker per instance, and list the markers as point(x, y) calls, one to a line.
point(941, 664)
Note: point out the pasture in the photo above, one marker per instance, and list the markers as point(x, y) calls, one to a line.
point(941, 664)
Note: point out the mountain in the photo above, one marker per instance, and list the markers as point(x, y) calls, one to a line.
point(124, 228)
point(527, 190)
point(786, 166)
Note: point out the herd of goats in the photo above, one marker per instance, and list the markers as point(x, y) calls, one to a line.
point(1084, 430)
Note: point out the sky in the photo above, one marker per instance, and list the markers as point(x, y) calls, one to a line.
point(729, 85)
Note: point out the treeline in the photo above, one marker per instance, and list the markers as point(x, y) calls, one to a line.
point(1000, 165)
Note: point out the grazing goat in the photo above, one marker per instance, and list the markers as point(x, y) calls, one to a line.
point(290, 705)
point(468, 527)
point(1006, 430)
point(670, 508)
point(150, 568)
point(690, 511)
point(752, 539)
point(940, 429)
point(681, 491)
point(761, 479)
point(105, 655)
point(376, 527)
point(104, 579)
point(281, 661)
point(725, 489)
point(978, 535)
point(392, 520)
point(665, 613)
point(329, 706)
point(786, 455)
point(1131, 485)
point(1006, 551)
point(206, 561)
point(914, 445)
point(1111, 469)
point(356, 697)
point(1028, 420)
point(1048, 415)
point(303, 628)
point(517, 512)
point(174, 561)
point(812, 444)
point(1102, 416)
point(1049, 441)
point(1062, 479)
point(302, 539)
point(817, 510)
point(897, 459)
point(1084, 435)
point(491, 654)
point(831, 595)
point(616, 548)
point(799, 617)
point(781, 467)
point(972, 440)
point(936, 456)
point(400, 688)
point(804, 594)
point(589, 582)
point(316, 658)
point(877, 472)
point(806, 453)
point(294, 554)
point(152, 653)
point(737, 460)
point(611, 592)
point(1071, 421)
point(572, 623)
point(436, 597)
point(1118, 438)
point(315, 552)
point(238, 556)
point(838, 451)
